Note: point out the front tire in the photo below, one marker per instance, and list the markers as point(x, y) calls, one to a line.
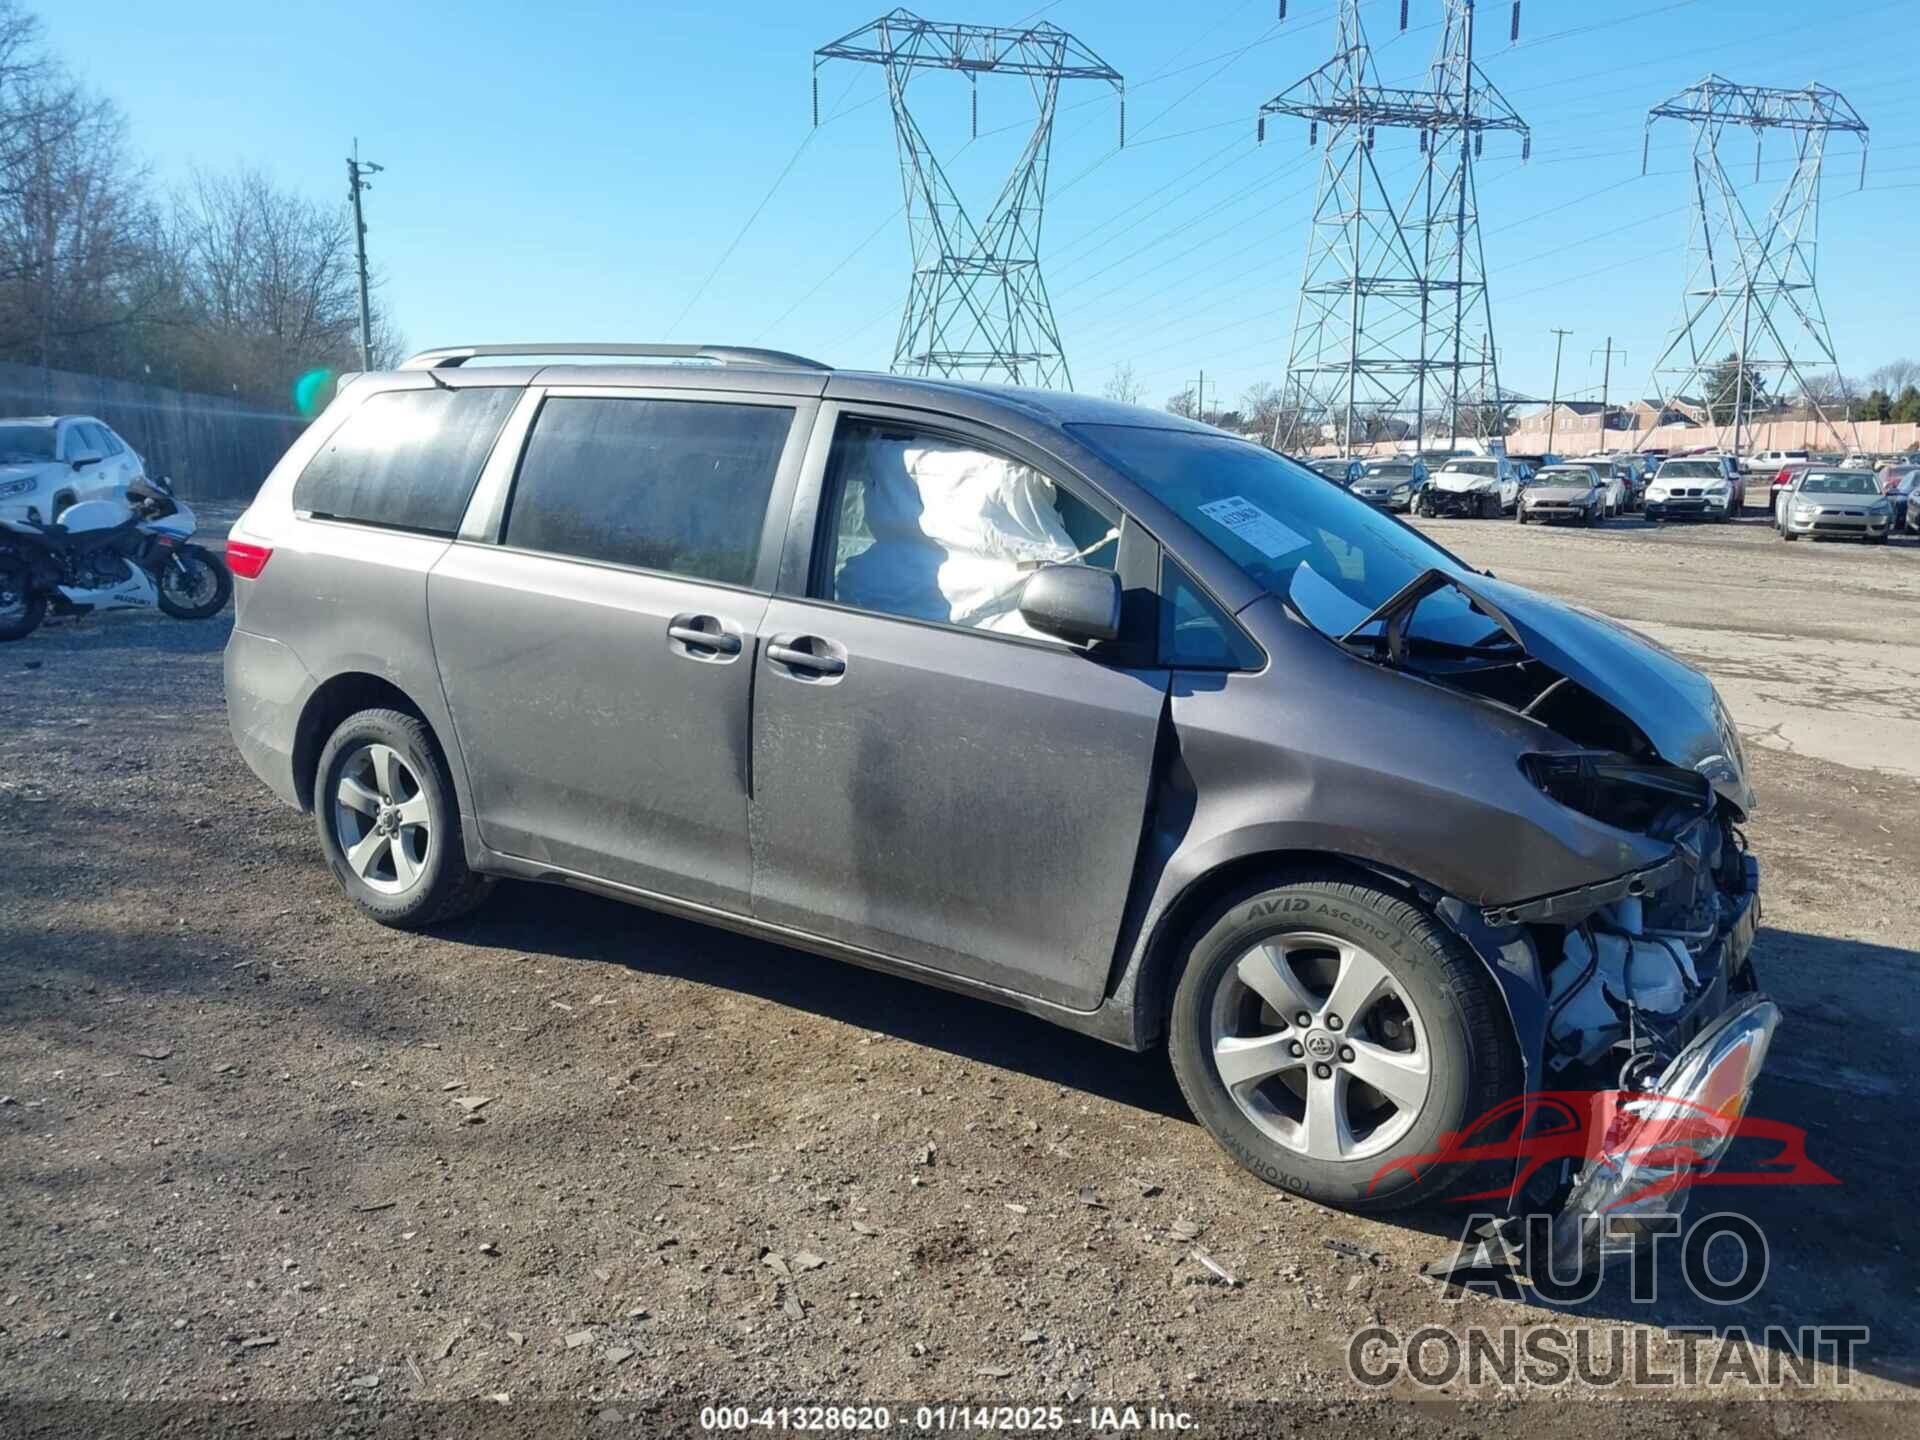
point(1422, 1048)
point(389, 825)
point(199, 594)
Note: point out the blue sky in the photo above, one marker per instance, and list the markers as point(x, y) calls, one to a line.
point(585, 170)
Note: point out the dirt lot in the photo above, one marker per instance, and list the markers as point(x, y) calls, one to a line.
point(234, 1161)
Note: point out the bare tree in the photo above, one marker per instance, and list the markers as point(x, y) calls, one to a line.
point(1895, 376)
point(1267, 413)
point(1184, 404)
point(268, 281)
point(77, 233)
point(1124, 385)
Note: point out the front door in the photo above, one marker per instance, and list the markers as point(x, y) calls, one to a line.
point(598, 661)
point(933, 780)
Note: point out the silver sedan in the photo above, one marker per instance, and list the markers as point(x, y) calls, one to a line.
point(1836, 504)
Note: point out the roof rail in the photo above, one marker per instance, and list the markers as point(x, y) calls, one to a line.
point(453, 355)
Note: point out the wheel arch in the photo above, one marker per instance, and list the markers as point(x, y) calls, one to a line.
point(337, 697)
point(1148, 985)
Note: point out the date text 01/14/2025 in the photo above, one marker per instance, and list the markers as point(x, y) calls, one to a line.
point(943, 1419)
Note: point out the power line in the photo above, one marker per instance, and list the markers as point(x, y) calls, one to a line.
point(765, 200)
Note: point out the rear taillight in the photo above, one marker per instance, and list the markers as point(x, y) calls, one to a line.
point(246, 559)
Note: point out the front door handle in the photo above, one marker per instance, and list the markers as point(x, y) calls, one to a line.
point(703, 637)
point(787, 651)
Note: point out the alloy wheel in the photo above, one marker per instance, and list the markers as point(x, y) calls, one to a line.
point(1320, 1046)
point(380, 819)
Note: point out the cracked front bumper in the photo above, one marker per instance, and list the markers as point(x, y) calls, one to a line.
point(1456, 502)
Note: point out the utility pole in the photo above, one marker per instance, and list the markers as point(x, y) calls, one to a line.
point(356, 169)
point(1553, 406)
point(1606, 381)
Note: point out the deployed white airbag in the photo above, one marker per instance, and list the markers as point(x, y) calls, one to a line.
point(955, 533)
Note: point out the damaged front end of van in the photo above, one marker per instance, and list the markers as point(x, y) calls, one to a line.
point(1637, 986)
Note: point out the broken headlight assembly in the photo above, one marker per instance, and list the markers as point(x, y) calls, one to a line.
point(1616, 790)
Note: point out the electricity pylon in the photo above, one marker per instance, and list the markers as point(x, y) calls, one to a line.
point(977, 307)
point(1751, 306)
point(1393, 315)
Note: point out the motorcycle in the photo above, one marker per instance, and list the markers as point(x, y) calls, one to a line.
point(108, 554)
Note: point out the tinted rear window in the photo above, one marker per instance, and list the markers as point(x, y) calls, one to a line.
point(406, 459)
point(675, 485)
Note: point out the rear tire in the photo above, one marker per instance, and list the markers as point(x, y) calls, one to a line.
point(21, 608)
point(1428, 1023)
point(389, 824)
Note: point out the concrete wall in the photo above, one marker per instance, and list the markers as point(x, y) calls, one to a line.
point(1582, 435)
point(213, 447)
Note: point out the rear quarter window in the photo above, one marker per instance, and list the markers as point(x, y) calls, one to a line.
point(406, 459)
point(680, 486)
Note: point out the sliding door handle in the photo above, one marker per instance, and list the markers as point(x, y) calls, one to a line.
point(702, 637)
point(789, 652)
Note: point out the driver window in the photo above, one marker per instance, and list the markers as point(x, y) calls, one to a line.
point(933, 528)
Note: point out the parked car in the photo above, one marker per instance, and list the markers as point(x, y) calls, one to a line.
point(1834, 504)
point(1774, 460)
point(1391, 484)
point(51, 462)
point(1565, 492)
point(1337, 468)
point(1486, 485)
point(1073, 706)
point(1905, 499)
point(1737, 478)
point(1697, 488)
point(1890, 475)
point(1618, 473)
point(1781, 481)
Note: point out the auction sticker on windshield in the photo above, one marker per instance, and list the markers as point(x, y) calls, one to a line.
point(1253, 525)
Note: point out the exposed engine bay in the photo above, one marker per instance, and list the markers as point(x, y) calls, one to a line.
point(1633, 981)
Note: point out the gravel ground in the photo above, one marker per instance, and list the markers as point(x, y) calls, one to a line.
point(252, 1145)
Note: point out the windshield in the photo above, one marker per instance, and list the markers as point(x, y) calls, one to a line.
point(1331, 555)
point(1565, 475)
point(1473, 467)
point(1839, 482)
point(1387, 472)
point(26, 442)
point(1690, 470)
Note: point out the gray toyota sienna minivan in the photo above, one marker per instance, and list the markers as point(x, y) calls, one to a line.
point(1075, 706)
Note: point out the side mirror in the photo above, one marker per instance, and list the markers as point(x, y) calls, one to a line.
point(1072, 602)
point(84, 458)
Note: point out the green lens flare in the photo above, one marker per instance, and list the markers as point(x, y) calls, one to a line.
point(310, 391)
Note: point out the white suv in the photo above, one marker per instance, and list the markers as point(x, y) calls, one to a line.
point(1772, 460)
point(48, 462)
